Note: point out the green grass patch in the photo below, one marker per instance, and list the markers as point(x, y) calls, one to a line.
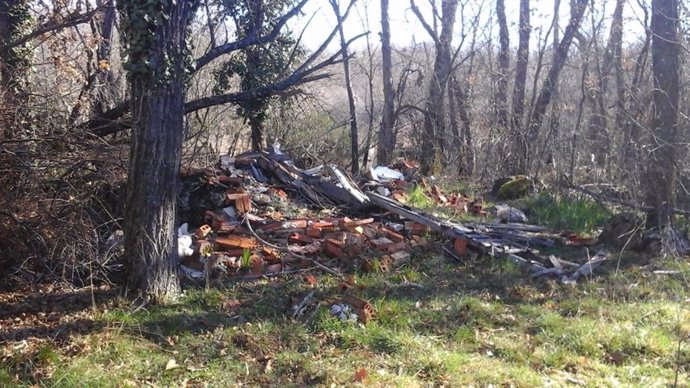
point(563, 213)
point(477, 323)
point(418, 198)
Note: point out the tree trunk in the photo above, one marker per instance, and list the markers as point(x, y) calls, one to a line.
point(576, 14)
point(598, 126)
point(464, 134)
point(503, 66)
point(369, 105)
point(434, 118)
point(354, 137)
point(660, 176)
point(516, 163)
point(637, 104)
point(15, 21)
point(256, 124)
point(106, 83)
point(386, 137)
point(157, 51)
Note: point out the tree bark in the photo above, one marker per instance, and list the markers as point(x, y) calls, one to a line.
point(354, 136)
point(576, 14)
point(386, 137)
point(434, 118)
point(15, 21)
point(660, 177)
point(516, 163)
point(106, 86)
point(503, 66)
point(155, 40)
point(598, 126)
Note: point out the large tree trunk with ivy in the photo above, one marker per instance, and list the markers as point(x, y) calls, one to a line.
point(155, 35)
point(660, 179)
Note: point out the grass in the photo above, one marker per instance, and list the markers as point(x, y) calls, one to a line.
point(480, 322)
point(563, 213)
point(473, 323)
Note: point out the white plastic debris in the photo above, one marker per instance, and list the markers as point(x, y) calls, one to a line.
point(184, 241)
point(116, 239)
point(383, 191)
point(395, 226)
point(192, 273)
point(230, 212)
point(506, 213)
point(344, 312)
point(384, 174)
point(227, 162)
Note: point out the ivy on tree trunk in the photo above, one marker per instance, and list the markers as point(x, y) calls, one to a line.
point(155, 40)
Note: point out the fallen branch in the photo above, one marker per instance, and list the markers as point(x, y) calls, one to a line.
point(628, 204)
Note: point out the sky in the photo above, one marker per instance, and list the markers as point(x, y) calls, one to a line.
point(406, 28)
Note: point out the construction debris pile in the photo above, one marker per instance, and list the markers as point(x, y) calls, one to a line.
point(259, 215)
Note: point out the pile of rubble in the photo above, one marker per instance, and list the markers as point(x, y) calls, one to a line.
point(266, 217)
point(259, 229)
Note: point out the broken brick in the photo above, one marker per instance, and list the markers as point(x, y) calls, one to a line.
point(355, 226)
point(236, 242)
point(399, 196)
point(294, 224)
point(227, 227)
point(395, 247)
point(242, 202)
point(213, 219)
point(393, 235)
point(416, 228)
point(438, 195)
point(369, 232)
point(229, 180)
point(257, 265)
point(278, 193)
point(363, 309)
point(313, 232)
point(203, 231)
point(270, 254)
point(334, 248)
point(310, 280)
point(381, 243)
point(460, 247)
point(298, 238)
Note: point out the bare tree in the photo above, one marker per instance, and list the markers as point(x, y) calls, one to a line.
point(434, 122)
point(503, 66)
point(660, 176)
point(386, 135)
point(354, 138)
point(515, 161)
point(576, 13)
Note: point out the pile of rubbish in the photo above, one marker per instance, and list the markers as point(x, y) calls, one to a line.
point(257, 215)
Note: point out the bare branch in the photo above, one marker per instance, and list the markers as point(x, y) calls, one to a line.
point(50, 26)
point(251, 40)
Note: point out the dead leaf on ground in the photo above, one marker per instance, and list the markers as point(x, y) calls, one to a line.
point(171, 364)
point(360, 375)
